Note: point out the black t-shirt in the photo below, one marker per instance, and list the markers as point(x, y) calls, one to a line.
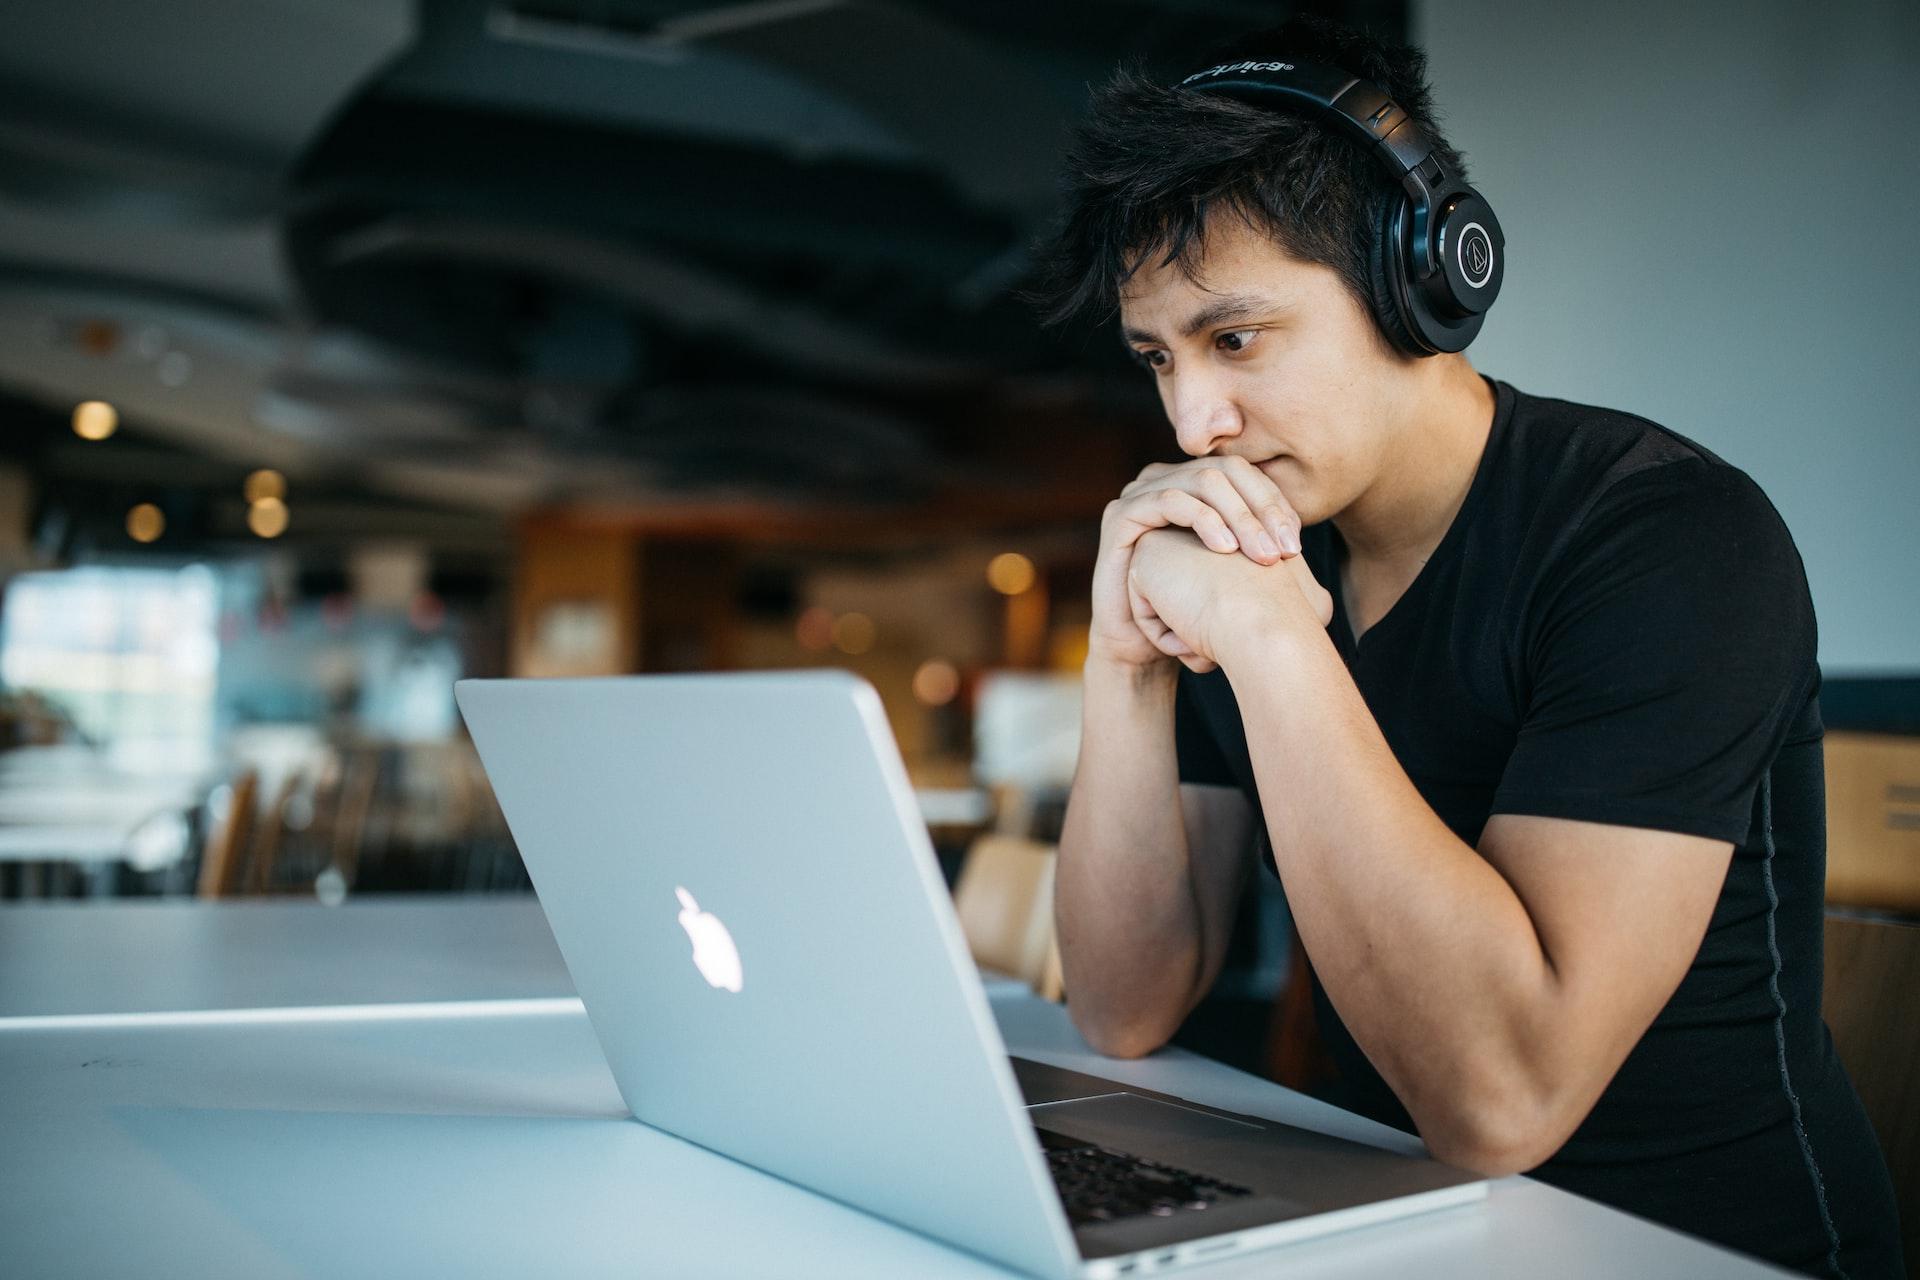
point(1616, 628)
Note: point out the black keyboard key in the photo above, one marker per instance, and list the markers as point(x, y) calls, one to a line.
point(1098, 1184)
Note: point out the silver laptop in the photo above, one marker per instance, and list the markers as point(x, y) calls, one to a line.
point(746, 897)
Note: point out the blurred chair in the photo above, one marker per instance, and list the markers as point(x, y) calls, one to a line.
point(1872, 975)
point(1873, 821)
point(223, 858)
point(1004, 898)
point(353, 810)
point(1012, 809)
point(1295, 1054)
point(264, 856)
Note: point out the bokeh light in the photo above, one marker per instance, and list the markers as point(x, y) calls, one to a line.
point(268, 517)
point(814, 629)
point(95, 420)
point(936, 682)
point(263, 484)
point(1010, 573)
point(853, 633)
point(146, 522)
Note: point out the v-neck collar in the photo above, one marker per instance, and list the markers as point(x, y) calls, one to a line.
point(1448, 546)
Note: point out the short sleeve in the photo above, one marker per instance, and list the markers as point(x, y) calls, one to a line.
point(1665, 655)
point(1199, 754)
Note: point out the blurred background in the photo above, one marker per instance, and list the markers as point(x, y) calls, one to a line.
point(351, 348)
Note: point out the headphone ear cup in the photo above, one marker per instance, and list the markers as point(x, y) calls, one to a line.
point(1386, 275)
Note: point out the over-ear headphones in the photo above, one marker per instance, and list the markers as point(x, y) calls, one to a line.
point(1438, 255)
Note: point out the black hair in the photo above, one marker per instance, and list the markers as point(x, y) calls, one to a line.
point(1151, 164)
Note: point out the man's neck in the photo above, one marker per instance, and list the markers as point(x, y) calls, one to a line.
point(1401, 519)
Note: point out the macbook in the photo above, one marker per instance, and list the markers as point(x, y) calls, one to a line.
point(746, 897)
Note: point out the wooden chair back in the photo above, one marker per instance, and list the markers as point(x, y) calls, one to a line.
point(354, 801)
point(264, 873)
point(1005, 901)
point(1872, 977)
point(223, 857)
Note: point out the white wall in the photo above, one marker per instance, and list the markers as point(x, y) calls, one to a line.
point(1713, 219)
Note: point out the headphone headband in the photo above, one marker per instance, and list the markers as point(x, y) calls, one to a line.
point(1360, 108)
point(1441, 256)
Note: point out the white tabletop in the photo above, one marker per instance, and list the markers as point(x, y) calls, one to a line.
point(379, 1137)
point(140, 958)
point(134, 956)
point(63, 842)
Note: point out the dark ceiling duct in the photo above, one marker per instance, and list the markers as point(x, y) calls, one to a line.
point(831, 246)
point(673, 293)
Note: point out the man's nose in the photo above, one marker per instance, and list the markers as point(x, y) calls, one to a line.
point(1203, 414)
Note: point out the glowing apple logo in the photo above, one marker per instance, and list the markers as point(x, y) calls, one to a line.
point(714, 954)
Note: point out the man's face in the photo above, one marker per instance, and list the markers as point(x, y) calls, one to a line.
point(1270, 358)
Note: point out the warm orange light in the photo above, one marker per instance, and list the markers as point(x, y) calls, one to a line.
point(853, 633)
point(146, 522)
point(97, 337)
point(936, 682)
point(1010, 573)
point(263, 484)
point(268, 517)
point(95, 420)
point(814, 629)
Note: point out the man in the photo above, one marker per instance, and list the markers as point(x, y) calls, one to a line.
point(1520, 693)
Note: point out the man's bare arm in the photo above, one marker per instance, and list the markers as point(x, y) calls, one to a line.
point(1150, 872)
point(1496, 990)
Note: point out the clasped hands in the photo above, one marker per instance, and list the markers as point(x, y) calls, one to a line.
point(1191, 554)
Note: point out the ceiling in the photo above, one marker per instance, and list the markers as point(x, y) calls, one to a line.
point(450, 261)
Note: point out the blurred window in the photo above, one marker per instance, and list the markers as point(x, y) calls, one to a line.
point(130, 654)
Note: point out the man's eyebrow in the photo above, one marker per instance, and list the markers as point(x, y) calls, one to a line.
point(1223, 310)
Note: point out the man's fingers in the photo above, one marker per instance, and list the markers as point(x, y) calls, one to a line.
point(1163, 507)
point(1220, 492)
point(1250, 505)
point(1148, 477)
point(1199, 665)
point(1268, 506)
point(1158, 634)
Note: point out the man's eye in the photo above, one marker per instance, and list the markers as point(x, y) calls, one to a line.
point(1238, 340)
point(1152, 359)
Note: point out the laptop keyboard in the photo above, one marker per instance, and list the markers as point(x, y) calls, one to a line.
point(1098, 1184)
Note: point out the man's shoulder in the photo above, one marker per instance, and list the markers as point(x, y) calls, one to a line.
point(1577, 463)
point(1595, 443)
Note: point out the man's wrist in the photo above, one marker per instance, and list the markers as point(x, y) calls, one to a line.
point(1129, 680)
point(1252, 627)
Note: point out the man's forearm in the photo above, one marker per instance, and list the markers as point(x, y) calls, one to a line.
point(1426, 951)
point(1129, 924)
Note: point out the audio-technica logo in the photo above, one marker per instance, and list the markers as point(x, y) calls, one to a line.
point(1233, 68)
point(1476, 254)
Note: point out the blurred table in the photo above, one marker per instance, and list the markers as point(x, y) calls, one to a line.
point(486, 1137)
point(954, 806)
point(67, 804)
point(62, 842)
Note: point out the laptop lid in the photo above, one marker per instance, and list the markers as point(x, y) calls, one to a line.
point(751, 910)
